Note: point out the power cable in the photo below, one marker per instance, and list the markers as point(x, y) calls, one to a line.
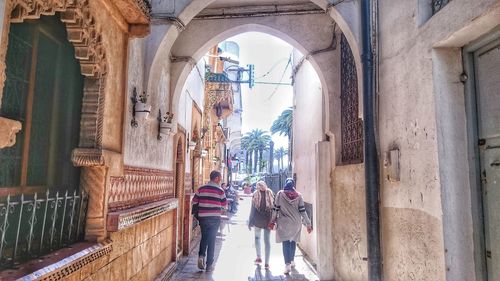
point(282, 76)
point(271, 69)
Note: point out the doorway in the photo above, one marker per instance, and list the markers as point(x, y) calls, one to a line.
point(179, 192)
point(482, 63)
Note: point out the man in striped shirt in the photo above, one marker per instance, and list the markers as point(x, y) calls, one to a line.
point(211, 201)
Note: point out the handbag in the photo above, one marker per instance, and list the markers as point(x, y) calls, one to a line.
point(195, 211)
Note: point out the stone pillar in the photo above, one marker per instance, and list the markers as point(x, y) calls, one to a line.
point(324, 222)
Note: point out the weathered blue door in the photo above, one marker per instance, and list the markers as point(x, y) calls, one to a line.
point(487, 64)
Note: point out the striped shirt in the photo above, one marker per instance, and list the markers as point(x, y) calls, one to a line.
point(211, 200)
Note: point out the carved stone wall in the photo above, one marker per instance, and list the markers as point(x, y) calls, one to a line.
point(139, 186)
point(188, 185)
point(85, 35)
point(93, 180)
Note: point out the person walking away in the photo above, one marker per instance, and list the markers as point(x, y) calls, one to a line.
point(260, 217)
point(209, 201)
point(232, 199)
point(288, 214)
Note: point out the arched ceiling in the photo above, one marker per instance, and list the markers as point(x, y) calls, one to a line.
point(239, 3)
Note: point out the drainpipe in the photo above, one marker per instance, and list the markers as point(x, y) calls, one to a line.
point(372, 183)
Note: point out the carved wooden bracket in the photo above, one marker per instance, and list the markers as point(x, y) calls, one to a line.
point(87, 157)
point(8, 130)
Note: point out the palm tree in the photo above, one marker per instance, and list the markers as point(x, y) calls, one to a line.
point(283, 126)
point(256, 141)
point(247, 145)
point(280, 153)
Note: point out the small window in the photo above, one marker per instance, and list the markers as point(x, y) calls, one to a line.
point(351, 124)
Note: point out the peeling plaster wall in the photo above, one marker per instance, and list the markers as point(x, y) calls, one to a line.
point(426, 216)
point(142, 148)
point(406, 103)
point(307, 128)
point(349, 223)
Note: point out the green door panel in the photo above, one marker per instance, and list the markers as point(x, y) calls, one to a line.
point(57, 97)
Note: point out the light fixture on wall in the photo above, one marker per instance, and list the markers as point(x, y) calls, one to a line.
point(140, 108)
point(191, 144)
point(203, 132)
point(165, 126)
point(204, 153)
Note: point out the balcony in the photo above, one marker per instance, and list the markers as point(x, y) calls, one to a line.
point(36, 224)
point(219, 93)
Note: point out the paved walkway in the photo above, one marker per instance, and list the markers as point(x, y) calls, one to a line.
point(235, 253)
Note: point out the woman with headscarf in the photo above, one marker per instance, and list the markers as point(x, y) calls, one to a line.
point(288, 215)
point(260, 216)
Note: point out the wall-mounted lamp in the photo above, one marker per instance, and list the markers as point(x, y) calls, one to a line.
point(203, 132)
point(192, 145)
point(204, 153)
point(165, 126)
point(140, 110)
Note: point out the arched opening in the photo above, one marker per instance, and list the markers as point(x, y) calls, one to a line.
point(179, 190)
point(321, 55)
point(317, 104)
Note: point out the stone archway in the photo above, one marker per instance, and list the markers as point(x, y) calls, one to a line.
point(182, 46)
point(345, 15)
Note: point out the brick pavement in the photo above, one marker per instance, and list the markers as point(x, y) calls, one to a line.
point(235, 253)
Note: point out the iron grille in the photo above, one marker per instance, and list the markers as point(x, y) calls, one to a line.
point(437, 5)
point(276, 181)
point(32, 225)
point(351, 124)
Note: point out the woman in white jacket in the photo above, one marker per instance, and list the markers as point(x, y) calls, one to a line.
point(288, 215)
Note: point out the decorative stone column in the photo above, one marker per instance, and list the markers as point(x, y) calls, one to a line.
point(8, 130)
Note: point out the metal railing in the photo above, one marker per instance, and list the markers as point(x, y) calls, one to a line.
point(438, 5)
point(33, 225)
point(276, 181)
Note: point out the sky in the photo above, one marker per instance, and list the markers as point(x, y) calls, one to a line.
point(264, 103)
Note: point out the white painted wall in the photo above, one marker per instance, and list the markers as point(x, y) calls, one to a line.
point(308, 131)
point(426, 216)
point(192, 93)
point(141, 146)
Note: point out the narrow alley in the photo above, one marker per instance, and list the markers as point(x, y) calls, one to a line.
point(385, 113)
point(235, 255)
